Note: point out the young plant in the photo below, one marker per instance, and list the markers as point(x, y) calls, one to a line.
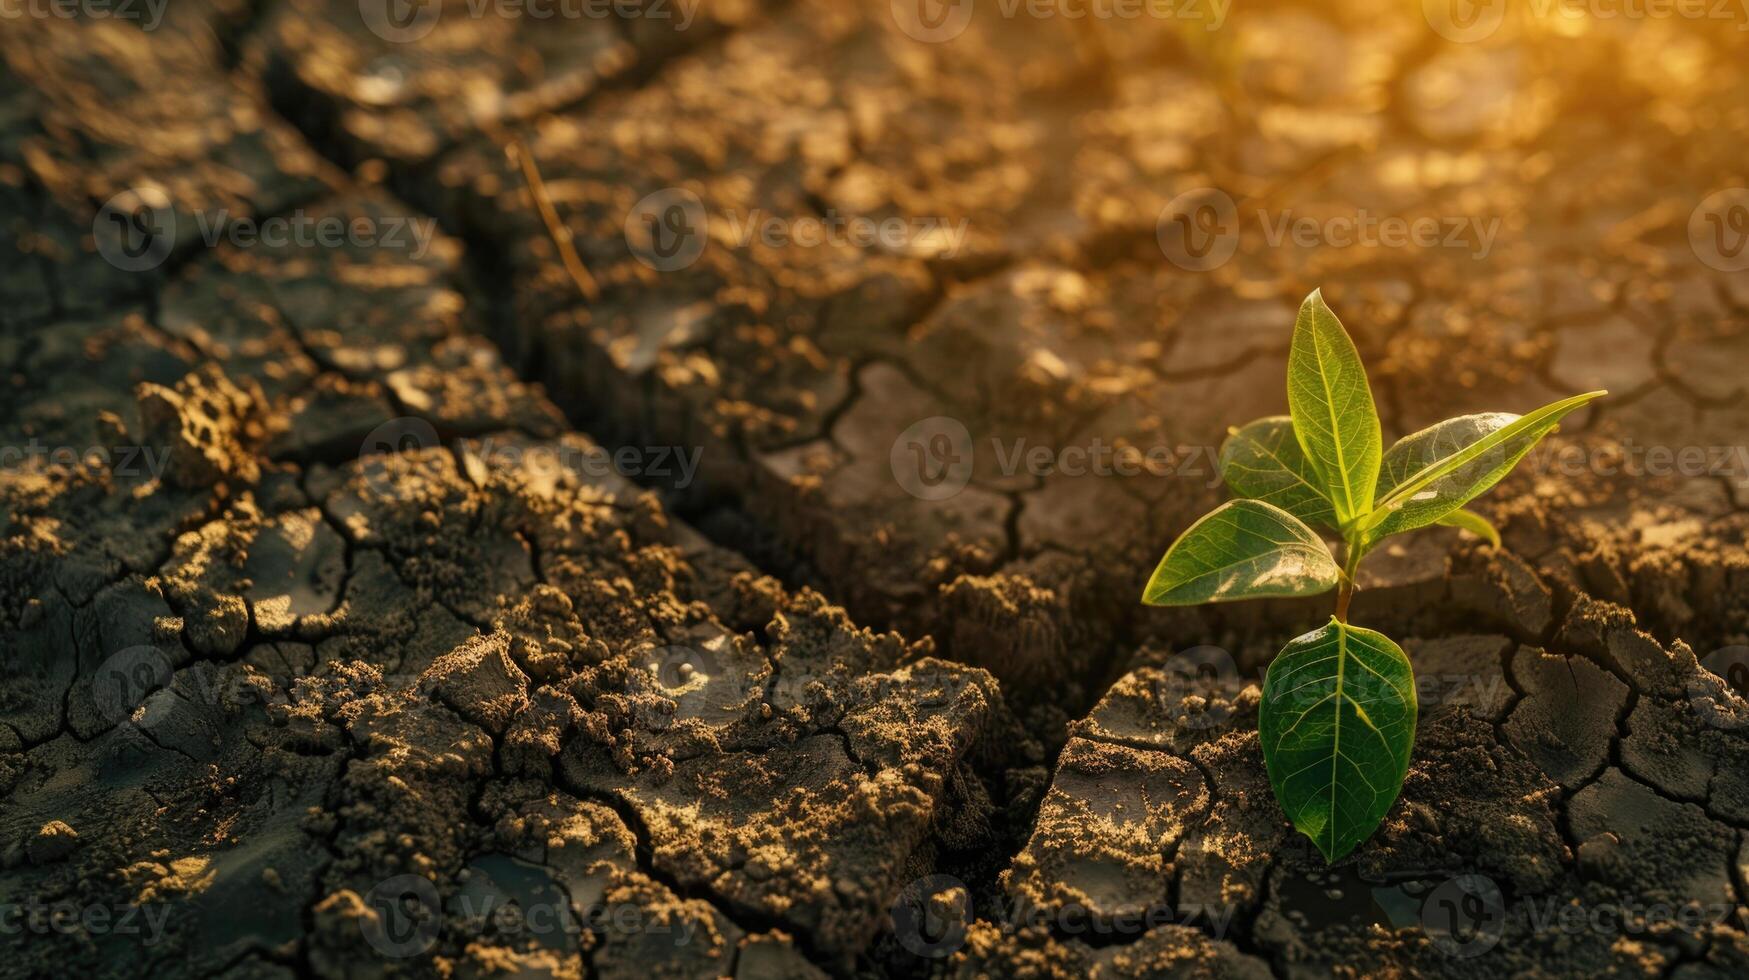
point(1337, 719)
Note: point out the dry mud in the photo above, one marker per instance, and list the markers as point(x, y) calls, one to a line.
point(336, 644)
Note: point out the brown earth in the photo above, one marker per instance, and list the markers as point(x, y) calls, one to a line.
point(337, 640)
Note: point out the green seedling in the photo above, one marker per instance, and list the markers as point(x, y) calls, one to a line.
point(1337, 719)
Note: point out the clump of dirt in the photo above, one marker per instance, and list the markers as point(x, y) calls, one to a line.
point(465, 707)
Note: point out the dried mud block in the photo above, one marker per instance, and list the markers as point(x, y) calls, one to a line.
point(1009, 625)
point(820, 831)
point(1464, 672)
point(1615, 354)
point(1104, 831)
point(403, 89)
point(41, 664)
point(481, 683)
point(209, 426)
point(856, 497)
point(728, 324)
point(1658, 848)
point(112, 170)
point(1566, 719)
point(670, 936)
point(187, 868)
point(1692, 748)
point(74, 382)
point(1139, 766)
point(1197, 695)
point(1404, 573)
point(1501, 586)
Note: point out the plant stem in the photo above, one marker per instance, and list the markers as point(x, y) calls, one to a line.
point(1351, 556)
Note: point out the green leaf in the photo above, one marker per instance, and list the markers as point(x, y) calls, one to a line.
point(1431, 473)
point(1337, 723)
point(1263, 461)
point(1331, 403)
point(1474, 523)
point(1243, 549)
